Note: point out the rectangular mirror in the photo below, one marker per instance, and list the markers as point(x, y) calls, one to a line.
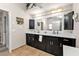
point(54, 23)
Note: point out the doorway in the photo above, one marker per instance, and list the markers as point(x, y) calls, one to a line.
point(4, 30)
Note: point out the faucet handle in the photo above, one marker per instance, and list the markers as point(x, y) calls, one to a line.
point(57, 32)
point(54, 32)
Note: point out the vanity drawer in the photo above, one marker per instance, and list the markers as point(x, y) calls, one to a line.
point(69, 42)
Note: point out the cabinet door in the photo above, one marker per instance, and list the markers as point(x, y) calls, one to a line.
point(69, 42)
point(36, 38)
point(40, 44)
point(30, 39)
point(54, 46)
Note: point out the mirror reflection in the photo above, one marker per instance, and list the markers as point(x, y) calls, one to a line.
point(53, 23)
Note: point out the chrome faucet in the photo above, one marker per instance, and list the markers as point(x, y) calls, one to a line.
point(55, 32)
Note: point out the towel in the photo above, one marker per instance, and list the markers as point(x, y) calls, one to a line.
point(40, 38)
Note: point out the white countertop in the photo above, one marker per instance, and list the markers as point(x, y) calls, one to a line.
point(66, 35)
point(70, 51)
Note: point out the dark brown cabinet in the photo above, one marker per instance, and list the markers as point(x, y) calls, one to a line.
point(40, 45)
point(69, 42)
point(53, 45)
point(48, 44)
point(30, 39)
point(33, 40)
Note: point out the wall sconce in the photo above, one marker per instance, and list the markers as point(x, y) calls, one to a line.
point(75, 17)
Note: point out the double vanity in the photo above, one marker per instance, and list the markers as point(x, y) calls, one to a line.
point(49, 35)
point(49, 42)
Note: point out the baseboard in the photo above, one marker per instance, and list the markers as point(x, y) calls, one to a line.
point(18, 48)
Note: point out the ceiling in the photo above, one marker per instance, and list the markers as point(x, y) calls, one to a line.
point(47, 6)
point(52, 5)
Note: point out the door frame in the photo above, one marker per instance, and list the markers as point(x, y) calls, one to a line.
point(9, 30)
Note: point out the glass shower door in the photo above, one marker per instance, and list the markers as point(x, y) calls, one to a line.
point(1, 32)
point(4, 31)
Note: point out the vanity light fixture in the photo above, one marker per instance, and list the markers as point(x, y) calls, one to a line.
point(53, 11)
point(57, 10)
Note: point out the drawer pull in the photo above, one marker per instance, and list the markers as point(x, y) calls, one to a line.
point(51, 43)
point(66, 40)
point(33, 39)
point(60, 44)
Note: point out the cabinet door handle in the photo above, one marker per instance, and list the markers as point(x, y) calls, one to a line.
point(60, 44)
point(66, 40)
point(33, 39)
point(52, 43)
